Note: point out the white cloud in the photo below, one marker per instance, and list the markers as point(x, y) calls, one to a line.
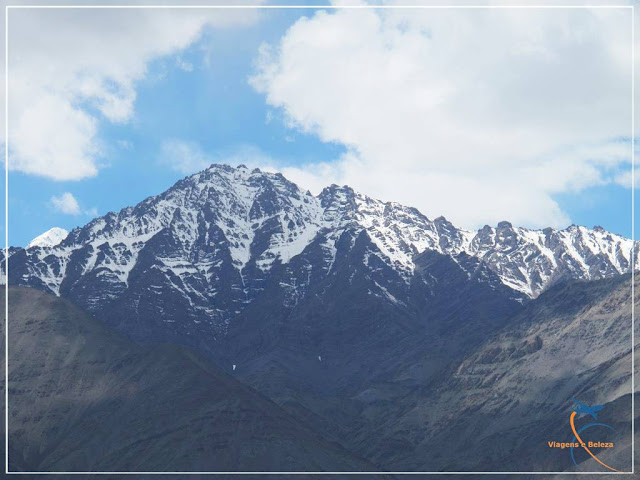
point(70, 69)
point(188, 157)
point(480, 115)
point(53, 139)
point(184, 65)
point(66, 203)
point(184, 157)
point(91, 212)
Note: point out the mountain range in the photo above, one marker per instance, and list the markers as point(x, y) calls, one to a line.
point(215, 241)
point(364, 320)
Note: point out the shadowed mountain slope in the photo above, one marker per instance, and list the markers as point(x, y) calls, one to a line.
point(84, 398)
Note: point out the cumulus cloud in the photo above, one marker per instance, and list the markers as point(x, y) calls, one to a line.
point(54, 139)
point(66, 203)
point(70, 69)
point(480, 115)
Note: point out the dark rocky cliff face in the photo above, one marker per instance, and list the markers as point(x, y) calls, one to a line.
point(84, 398)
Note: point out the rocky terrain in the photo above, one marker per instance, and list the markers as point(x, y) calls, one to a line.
point(84, 398)
point(396, 340)
point(506, 398)
point(205, 249)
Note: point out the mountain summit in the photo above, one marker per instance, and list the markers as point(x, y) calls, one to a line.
point(257, 219)
point(50, 238)
point(199, 254)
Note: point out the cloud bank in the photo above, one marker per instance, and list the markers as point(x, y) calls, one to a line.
point(480, 115)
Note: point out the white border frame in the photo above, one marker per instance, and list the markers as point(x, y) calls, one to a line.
point(317, 7)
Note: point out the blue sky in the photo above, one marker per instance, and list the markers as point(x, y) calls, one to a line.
point(212, 105)
point(200, 97)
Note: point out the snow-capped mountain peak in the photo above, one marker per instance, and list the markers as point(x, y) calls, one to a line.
point(50, 238)
point(210, 244)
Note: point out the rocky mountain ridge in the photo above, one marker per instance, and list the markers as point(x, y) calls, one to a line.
point(210, 245)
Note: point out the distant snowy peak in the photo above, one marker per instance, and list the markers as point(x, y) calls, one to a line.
point(526, 260)
point(50, 238)
point(531, 260)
